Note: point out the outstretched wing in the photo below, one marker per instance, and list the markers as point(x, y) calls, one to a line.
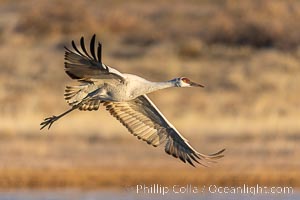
point(79, 64)
point(141, 117)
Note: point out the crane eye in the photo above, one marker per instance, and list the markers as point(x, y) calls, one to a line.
point(185, 80)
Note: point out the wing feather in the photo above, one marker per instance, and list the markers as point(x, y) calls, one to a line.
point(99, 52)
point(92, 48)
point(75, 48)
point(79, 64)
point(144, 120)
point(83, 48)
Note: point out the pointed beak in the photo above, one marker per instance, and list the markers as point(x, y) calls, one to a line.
point(196, 84)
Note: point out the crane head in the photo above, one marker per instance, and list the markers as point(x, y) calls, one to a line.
point(185, 82)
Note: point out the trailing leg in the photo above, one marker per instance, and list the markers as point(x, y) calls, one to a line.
point(50, 120)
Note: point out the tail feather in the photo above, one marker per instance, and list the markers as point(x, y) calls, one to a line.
point(75, 95)
point(90, 105)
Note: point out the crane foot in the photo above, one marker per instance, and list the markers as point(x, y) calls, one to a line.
point(48, 121)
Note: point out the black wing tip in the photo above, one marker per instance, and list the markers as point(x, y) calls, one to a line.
point(218, 154)
point(73, 43)
point(182, 159)
point(190, 162)
point(94, 37)
point(203, 160)
point(85, 53)
point(99, 52)
point(82, 44)
point(66, 48)
point(211, 157)
point(92, 47)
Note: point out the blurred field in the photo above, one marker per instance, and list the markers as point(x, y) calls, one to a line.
point(246, 53)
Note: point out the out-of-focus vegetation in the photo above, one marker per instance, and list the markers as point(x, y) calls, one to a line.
point(246, 53)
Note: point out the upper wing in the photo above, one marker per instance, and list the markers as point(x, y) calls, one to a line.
point(144, 120)
point(82, 65)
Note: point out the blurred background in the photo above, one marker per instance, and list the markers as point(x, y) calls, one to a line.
point(246, 53)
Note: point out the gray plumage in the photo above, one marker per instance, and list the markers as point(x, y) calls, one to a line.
point(124, 96)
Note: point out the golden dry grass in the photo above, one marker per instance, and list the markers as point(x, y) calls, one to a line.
point(93, 178)
point(93, 161)
point(246, 53)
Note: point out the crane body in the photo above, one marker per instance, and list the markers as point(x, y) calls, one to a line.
point(125, 97)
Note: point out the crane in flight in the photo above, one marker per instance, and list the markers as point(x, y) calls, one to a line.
point(125, 97)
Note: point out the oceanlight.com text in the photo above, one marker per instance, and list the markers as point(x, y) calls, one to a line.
point(245, 189)
point(213, 189)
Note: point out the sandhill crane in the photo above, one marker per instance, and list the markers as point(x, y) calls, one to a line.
point(124, 96)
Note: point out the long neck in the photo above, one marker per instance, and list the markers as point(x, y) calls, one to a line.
point(140, 86)
point(145, 87)
point(154, 86)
